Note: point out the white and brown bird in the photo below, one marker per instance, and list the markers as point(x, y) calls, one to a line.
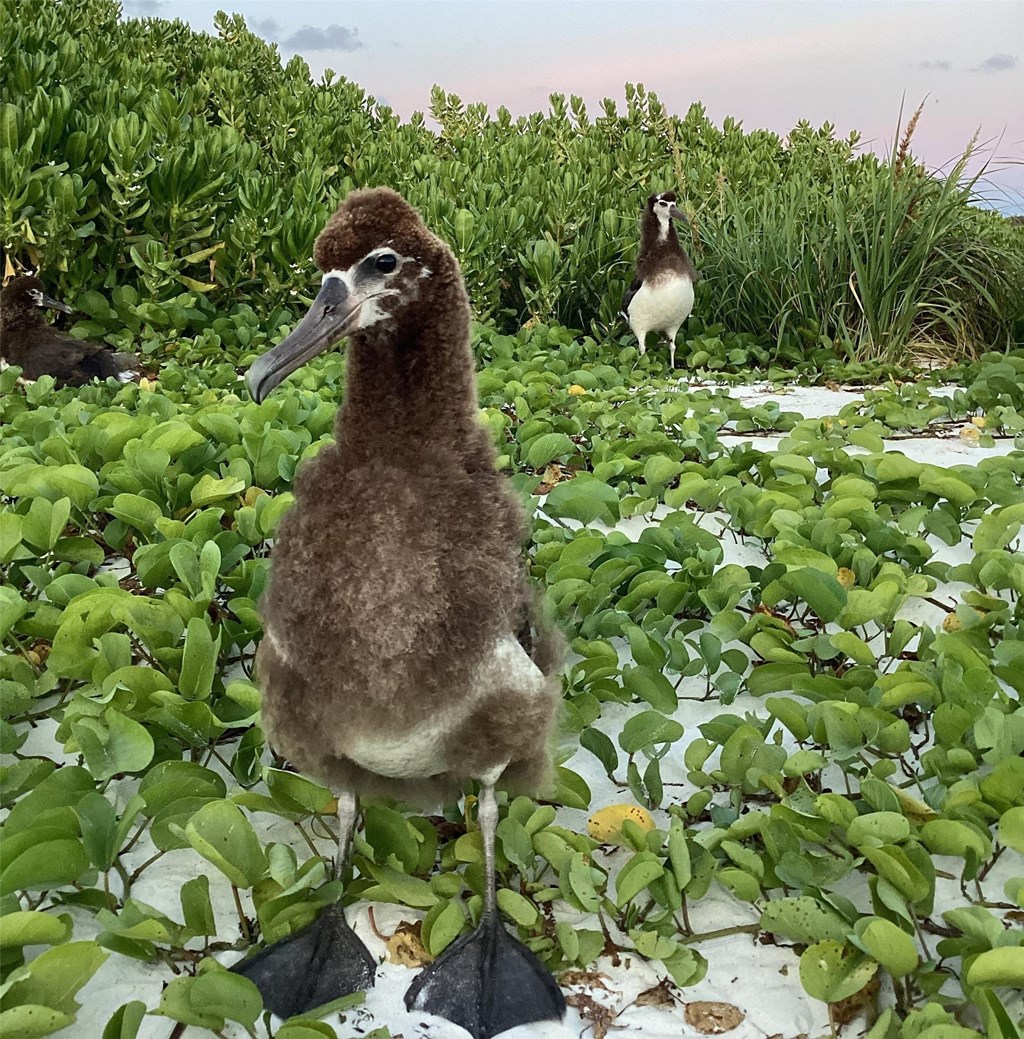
point(661, 296)
point(403, 653)
point(38, 349)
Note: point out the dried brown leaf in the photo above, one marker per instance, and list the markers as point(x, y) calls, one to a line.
point(551, 476)
point(658, 996)
point(845, 1010)
point(599, 1017)
point(584, 979)
point(711, 1018)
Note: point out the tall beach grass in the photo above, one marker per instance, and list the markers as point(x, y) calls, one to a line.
point(886, 260)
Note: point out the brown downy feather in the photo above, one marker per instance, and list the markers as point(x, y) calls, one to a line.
point(39, 349)
point(400, 564)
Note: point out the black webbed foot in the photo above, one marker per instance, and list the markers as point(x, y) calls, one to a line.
point(487, 982)
point(316, 965)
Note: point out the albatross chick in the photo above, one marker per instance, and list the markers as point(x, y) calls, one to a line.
point(38, 349)
point(403, 653)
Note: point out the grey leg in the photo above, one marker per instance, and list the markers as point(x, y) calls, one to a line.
point(346, 822)
point(488, 816)
point(488, 981)
point(323, 961)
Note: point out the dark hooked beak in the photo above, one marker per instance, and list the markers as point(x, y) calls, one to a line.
point(53, 304)
point(333, 314)
point(677, 214)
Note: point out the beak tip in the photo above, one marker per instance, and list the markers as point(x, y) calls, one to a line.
point(253, 386)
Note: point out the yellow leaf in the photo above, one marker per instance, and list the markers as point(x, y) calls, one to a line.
point(576, 390)
point(606, 824)
point(406, 949)
point(913, 808)
point(199, 286)
point(846, 577)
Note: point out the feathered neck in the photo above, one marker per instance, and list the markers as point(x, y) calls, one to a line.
point(411, 387)
point(660, 252)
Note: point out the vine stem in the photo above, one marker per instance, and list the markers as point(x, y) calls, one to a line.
point(305, 836)
point(138, 833)
point(722, 932)
point(991, 862)
point(145, 865)
point(242, 922)
point(686, 916)
point(920, 937)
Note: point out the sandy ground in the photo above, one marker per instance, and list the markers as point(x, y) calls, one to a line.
point(761, 980)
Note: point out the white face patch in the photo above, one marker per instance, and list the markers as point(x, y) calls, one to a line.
point(342, 276)
point(21, 380)
point(37, 297)
point(662, 210)
point(378, 289)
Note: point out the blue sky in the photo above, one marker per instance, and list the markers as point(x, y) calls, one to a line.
point(768, 63)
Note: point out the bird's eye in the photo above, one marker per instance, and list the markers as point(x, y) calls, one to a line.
point(386, 263)
point(662, 203)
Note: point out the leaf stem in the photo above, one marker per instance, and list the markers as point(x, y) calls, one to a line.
point(243, 923)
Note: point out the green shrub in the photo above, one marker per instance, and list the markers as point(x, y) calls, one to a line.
point(192, 172)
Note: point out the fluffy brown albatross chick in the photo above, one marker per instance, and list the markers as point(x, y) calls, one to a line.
point(37, 349)
point(402, 653)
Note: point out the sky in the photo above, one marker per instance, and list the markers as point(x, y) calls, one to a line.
point(767, 63)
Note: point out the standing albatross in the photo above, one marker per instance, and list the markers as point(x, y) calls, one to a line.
point(661, 296)
point(402, 654)
point(38, 349)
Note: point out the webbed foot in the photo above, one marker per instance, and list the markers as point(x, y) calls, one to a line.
point(487, 982)
point(316, 965)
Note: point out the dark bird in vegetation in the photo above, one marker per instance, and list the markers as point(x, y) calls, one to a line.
point(37, 349)
point(404, 653)
point(661, 296)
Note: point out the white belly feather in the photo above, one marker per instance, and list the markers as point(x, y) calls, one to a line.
point(421, 751)
point(661, 305)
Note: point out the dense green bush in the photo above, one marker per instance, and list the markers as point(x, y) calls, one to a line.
point(192, 172)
